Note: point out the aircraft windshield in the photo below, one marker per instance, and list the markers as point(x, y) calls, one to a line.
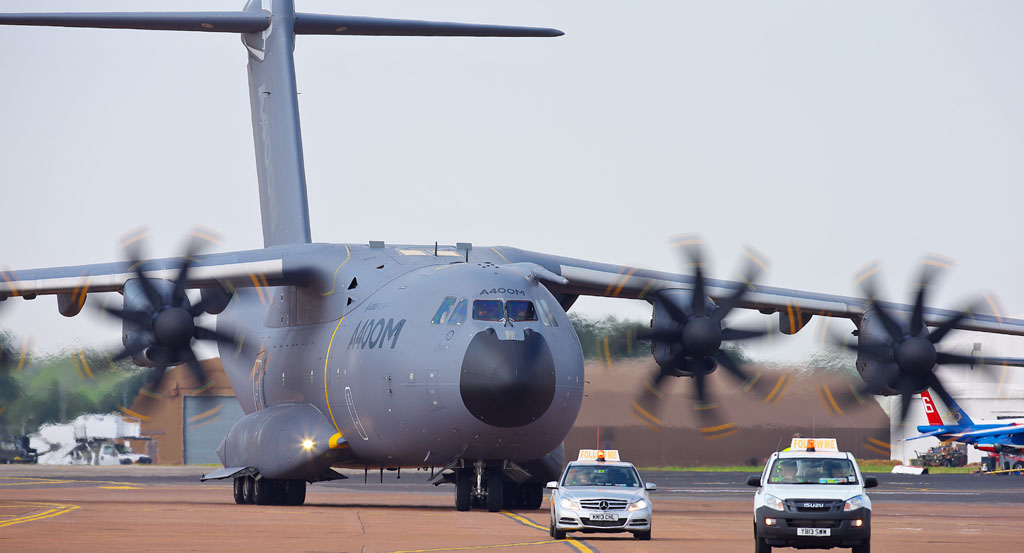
point(812, 471)
point(520, 310)
point(488, 310)
point(599, 475)
point(444, 311)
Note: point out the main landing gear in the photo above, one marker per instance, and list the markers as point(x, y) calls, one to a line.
point(266, 491)
point(481, 486)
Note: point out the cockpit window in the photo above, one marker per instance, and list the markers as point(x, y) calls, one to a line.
point(444, 311)
point(458, 315)
point(488, 310)
point(520, 310)
point(546, 316)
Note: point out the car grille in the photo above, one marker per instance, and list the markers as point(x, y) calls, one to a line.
point(814, 505)
point(603, 523)
point(803, 523)
point(595, 504)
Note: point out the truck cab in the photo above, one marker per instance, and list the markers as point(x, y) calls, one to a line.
point(812, 496)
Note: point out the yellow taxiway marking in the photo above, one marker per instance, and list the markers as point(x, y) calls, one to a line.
point(474, 547)
point(119, 488)
point(55, 509)
point(29, 481)
point(579, 546)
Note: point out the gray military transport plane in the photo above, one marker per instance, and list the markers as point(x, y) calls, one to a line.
point(380, 355)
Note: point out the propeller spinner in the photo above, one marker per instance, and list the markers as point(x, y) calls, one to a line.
point(689, 330)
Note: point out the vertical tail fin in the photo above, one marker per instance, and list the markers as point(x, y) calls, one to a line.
point(929, 409)
point(958, 415)
point(274, 102)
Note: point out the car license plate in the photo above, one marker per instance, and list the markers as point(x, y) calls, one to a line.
point(814, 531)
point(604, 516)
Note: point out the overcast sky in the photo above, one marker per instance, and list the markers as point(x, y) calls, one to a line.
point(827, 134)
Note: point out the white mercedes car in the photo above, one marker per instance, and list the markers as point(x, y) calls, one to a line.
point(599, 493)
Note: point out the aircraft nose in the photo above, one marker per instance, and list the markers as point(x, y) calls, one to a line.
point(507, 383)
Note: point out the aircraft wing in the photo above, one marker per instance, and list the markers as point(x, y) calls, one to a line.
point(991, 432)
point(275, 266)
point(795, 307)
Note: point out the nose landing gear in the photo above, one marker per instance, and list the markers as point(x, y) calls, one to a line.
point(482, 486)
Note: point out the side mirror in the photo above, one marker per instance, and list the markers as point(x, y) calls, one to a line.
point(754, 480)
point(552, 485)
point(870, 482)
point(650, 486)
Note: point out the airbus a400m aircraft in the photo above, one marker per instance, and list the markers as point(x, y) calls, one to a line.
point(391, 356)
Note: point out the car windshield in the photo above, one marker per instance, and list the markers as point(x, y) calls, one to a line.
point(597, 475)
point(812, 471)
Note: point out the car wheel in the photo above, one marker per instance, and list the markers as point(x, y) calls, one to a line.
point(1018, 465)
point(642, 535)
point(862, 547)
point(557, 534)
point(239, 490)
point(760, 546)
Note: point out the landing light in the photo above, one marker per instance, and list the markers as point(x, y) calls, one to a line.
point(307, 444)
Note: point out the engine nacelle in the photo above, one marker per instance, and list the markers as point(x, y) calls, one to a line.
point(135, 300)
point(293, 441)
point(663, 321)
point(878, 373)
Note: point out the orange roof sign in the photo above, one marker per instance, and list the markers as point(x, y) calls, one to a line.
point(598, 455)
point(814, 444)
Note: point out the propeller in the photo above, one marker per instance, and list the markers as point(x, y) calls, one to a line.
point(905, 343)
point(166, 319)
point(689, 331)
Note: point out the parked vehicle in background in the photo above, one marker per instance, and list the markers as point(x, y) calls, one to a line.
point(943, 455)
point(15, 449)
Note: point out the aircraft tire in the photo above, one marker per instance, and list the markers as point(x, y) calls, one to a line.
point(463, 490)
point(263, 492)
point(511, 495)
point(293, 493)
point(534, 494)
point(495, 491)
point(249, 490)
point(239, 489)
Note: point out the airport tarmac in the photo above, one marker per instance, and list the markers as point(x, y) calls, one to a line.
point(47, 508)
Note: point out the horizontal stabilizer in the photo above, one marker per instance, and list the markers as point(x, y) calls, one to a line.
point(214, 22)
point(317, 24)
point(930, 434)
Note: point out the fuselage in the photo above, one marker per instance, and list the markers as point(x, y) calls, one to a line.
point(415, 358)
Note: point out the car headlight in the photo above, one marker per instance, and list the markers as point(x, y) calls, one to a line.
point(567, 503)
point(773, 502)
point(854, 503)
point(637, 505)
